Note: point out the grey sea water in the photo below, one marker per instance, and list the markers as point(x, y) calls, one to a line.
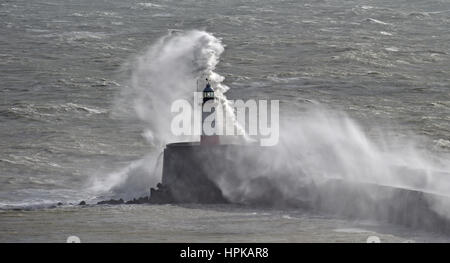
point(64, 64)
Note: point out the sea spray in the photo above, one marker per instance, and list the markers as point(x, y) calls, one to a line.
point(132, 180)
point(168, 70)
point(321, 145)
point(317, 145)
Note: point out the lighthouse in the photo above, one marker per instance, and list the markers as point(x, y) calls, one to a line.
point(209, 136)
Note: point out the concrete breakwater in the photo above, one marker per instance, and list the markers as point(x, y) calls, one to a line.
point(194, 173)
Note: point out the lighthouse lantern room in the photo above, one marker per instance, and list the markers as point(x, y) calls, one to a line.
point(208, 96)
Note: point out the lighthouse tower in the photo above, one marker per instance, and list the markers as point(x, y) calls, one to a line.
point(208, 97)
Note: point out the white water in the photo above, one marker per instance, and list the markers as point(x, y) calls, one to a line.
point(167, 71)
point(315, 145)
point(321, 144)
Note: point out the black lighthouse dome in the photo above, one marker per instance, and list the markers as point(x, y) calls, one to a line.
point(208, 88)
point(208, 92)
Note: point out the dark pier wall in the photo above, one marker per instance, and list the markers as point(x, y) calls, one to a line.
point(194, 173)
point(191, 171)
point(185, 174)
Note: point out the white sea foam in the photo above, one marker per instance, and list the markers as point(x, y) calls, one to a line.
point(150, 5)
point(74, 106)
point(442, 143)
point(48, 111)
point(366, 7)
point(385, 33)
point(375, 21)
point(392, 49)
point(351, 230)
